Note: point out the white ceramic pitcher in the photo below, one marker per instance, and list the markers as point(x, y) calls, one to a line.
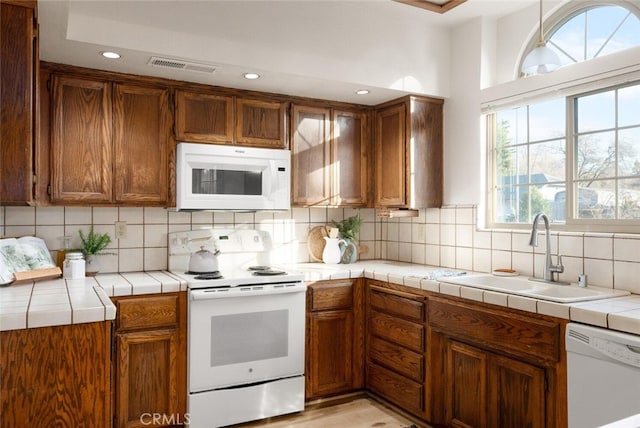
point(332, 252)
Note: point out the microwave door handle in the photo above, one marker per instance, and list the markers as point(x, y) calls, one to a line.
point(274, 177)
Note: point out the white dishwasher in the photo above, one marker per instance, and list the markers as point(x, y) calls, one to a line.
point(603, 375)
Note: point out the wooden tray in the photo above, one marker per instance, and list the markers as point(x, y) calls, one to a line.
point(37, 275)
point(315, 242)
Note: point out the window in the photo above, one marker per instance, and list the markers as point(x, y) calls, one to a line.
point(578, 33)
point(606, 146)
point(576, 159)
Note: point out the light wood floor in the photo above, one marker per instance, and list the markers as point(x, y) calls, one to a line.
point(359, 412)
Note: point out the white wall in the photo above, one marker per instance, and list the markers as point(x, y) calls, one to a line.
point(462, 150)
point(397, 47)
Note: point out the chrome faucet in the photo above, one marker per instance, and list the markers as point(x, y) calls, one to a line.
point(549, 267)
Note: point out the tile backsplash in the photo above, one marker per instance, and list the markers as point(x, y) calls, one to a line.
point(446, 237)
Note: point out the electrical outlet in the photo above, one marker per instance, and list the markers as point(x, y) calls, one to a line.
point(121, 230)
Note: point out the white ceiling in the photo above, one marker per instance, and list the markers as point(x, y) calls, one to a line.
point(316, 48)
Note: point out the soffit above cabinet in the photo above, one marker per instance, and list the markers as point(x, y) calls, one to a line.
point(290, 44)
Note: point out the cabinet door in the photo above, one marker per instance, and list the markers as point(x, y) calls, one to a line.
point(350, 159)
point(204, 118)
point(146, 379)
point(516, 393)
point(81, 141)
point(391, 157)
point(331, 347)
point(142, 128)
point(56, 376)
point(260, 123)
point(311, 158)
point(466, 387)
point(17, 53)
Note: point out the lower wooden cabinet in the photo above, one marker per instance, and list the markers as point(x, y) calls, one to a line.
point(334, 360)
point(150, 360)
point(495, 367)
point(56, 376)
point(489, 390)
point(396, 346)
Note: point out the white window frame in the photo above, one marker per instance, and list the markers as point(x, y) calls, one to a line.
point(568, 11)
point(571, 223)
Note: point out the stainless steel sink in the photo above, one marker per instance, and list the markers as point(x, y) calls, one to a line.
point(522, 286)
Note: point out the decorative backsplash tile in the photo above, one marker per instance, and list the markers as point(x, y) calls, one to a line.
point(444, 237)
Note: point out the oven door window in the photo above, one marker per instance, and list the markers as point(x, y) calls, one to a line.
point(245, 339)
point(226, 182)
point(241, 338)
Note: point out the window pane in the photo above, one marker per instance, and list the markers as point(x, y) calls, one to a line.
point(507, 198)
point(512, 126)
point(601, 24)
point(548, 161)
point(629, 106)
point(595, 32)
point(570, 38)
point(629, 200)
point(596, 156)
point(508, 165)
point(518, 204)
point(596, 112)
point(596, 200)
point(629, 152)
point(547, 120)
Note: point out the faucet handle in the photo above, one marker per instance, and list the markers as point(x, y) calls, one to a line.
point(559, 267)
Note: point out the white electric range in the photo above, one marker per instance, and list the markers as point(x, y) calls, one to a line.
point(246, 329)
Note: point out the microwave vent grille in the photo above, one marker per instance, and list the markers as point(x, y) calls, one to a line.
point(177, 64)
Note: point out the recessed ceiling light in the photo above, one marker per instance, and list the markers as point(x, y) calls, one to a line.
point(362, 91)
point(251, 76)
point(110, 55)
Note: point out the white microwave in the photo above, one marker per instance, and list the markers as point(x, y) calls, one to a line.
point(232, 178)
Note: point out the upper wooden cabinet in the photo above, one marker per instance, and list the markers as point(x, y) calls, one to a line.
point(204, 118)
point(330, 157)
point(142, 129)
point(18, 86)
point(220, 119)
point(408, 148)
point(311, 156)
point(109, 142)
point(81, 141)
point(260, 123)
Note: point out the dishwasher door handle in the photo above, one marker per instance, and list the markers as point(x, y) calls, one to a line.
point(624, 353)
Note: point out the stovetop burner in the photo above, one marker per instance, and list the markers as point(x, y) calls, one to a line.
point(269, 272)
point(202, 273)
point(259, 268)
point(209, 275)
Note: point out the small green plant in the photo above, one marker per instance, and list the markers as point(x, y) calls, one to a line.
point(349, 227)
point(93, 243)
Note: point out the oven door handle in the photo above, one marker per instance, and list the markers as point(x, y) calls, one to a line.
point(222, 293)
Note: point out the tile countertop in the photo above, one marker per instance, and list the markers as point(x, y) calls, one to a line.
point(75, 301)
point(618, 313)
point(59, 302)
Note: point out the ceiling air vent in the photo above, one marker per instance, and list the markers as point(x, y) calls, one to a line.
point(177, 64)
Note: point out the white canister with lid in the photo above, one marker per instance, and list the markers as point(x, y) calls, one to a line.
point(73, 267)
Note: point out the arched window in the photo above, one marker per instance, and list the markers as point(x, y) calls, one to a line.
point(581, 31)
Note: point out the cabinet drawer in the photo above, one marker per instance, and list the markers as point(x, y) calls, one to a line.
point(147, 312)
point(407, 394)
point(397, 305)
point(397, 330)
point(338, 295)
point(402, 360)
point(529, 337)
